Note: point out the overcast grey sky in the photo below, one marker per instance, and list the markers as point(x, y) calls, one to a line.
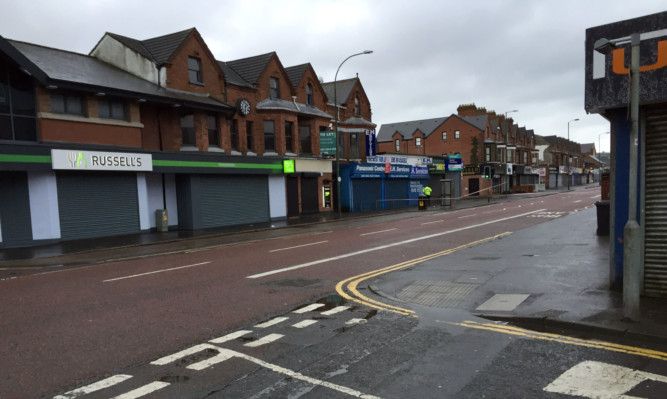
point(429, 56)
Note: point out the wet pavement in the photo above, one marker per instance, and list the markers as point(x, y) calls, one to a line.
point(558, 271)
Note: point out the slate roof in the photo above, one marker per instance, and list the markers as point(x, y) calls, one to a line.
point(586, 148)
point(343, 90)
point(406, 129)
point(251, 68)
point(159, 49)
point(79, 71)
point(295, 73)
point(232, 77)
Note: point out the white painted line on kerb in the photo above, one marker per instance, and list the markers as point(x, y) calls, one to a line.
point(155, 272)
point(335, 310)
point(309, 308)
point(143, 391)
point(99, 385)
point(305, 323)
point(381, 247)
point(298, 246)
point(272, 322)
point(264, 340)
point(230, 337)
point(376, 232)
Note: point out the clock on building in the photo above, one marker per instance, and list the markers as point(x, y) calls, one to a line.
point(243, 106)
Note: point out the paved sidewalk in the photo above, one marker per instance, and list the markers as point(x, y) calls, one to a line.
point(561, 266)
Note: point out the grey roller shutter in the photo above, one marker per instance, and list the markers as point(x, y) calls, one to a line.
point(15, 209)
point(655, 222)
point(97, 205)
point(234, 200)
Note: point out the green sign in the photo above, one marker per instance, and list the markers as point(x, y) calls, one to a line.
point(288, 166)
point(328, 142)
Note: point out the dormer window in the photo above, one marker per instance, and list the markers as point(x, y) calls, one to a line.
point(309, 94)
point(194, 70)
point(275, 90)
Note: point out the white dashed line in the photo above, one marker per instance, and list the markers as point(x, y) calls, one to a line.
point(230, 337)
point(272, 322)
point(155, 272)
point(99, 385)
point(298, 246)
point(335, 310)
point(376, 232)
point(304, 324)
point(264, 340)
point(309, 308)
point(142, 391)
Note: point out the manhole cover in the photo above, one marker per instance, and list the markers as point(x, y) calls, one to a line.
point(442, 294)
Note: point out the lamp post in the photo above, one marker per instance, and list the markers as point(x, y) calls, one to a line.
point(631, 231)
point(568, 153)
point(338, 197)
point(514, 110)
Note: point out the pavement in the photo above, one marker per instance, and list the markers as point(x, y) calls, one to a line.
point(564, 278)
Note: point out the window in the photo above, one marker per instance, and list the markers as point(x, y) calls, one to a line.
point(188, 130)
point(289, 136)
point(67, 103)
point(17, 105)
point(269, 136)
point(357, 108)
point(234, 134)
point(249, 130)
point(444, 136)
point(305, 140)
point(525, 158)
point(212, 130)
point(355, 148)
point(398, 145)
point(488, 154)
point(194, 70)
point(309, 94)
point(110, 108)
point(457, 135)
point(275, 90)
point(418, 141)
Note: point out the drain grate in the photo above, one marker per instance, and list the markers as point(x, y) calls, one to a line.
point(442, 294)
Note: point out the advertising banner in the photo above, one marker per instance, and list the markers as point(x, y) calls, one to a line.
point(328, 142)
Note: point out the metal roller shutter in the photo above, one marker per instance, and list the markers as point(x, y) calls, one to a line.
point(97, 205)
point(15, 209)
point(365, 194)
point(396, 193)
point(655, 222)
point(309, 195)
point(234, 200)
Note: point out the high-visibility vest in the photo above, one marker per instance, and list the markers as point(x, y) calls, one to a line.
point(427, 190)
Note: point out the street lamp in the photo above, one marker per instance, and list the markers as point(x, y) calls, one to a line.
point(514, 110)
point(568, 153)
point(631, 231)
point(336, 121)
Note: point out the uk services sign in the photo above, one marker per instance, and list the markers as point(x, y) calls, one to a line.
point(607, 69)
point(97, 160)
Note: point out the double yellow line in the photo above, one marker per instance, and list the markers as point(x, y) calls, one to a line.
point(348, 287)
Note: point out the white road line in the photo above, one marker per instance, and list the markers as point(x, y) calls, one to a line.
point(155, 272)
point(185, 352)
point(356, 321)
point(230, 337)
point(467, 216)
point(435, 221)
point(219, 358)
point(595, 196)
point(143, 391)
point(364, 251)
point(577, 201)
point(305, 323)
point(335, 310)
point(309, 308)
point(264, 340)
point(271, 322)
point(310, 380)
point(376, 232)
point(298, 246)
point(99, 385)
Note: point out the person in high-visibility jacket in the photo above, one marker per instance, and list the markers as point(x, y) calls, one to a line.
point(427, 193)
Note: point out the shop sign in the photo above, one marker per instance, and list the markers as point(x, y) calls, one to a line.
point(454, 163)
point(561, 170)
point(367, 170)
point(288, 166)
point(371, 143)
point(542, 172)
point(470, 170)
point(419, 171)
point(97, 160)
point(384, 159)
point(328, 142)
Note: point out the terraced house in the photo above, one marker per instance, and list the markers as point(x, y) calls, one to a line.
point(156, 134)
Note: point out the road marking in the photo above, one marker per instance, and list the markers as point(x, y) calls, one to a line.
point(353, 282)
point(230, 337)
point(600, 380)
point(309, 308)
point(264, 340)
point(596, 196)
point(364, 251)
point(212, 361)
point(299, 246)
point(435, 221)
point(377, 232)
point(271, 322)
point(155, 272)
point(185, 352)
point(305, 323)
point(143, 391)
point(99, 385)
point(577, 201)
point(609, 346)
point(467, 216)
point(335, 310)
point(356, 321)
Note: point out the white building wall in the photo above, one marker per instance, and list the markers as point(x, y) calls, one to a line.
point(155, 199)
point(277, 197)
point(113, 52)
point(44, 212)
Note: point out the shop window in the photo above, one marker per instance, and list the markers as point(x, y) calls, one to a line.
point(188, 130)
point(67, 103)
point(194, 70)
point(110, 108)
point(269, 136)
